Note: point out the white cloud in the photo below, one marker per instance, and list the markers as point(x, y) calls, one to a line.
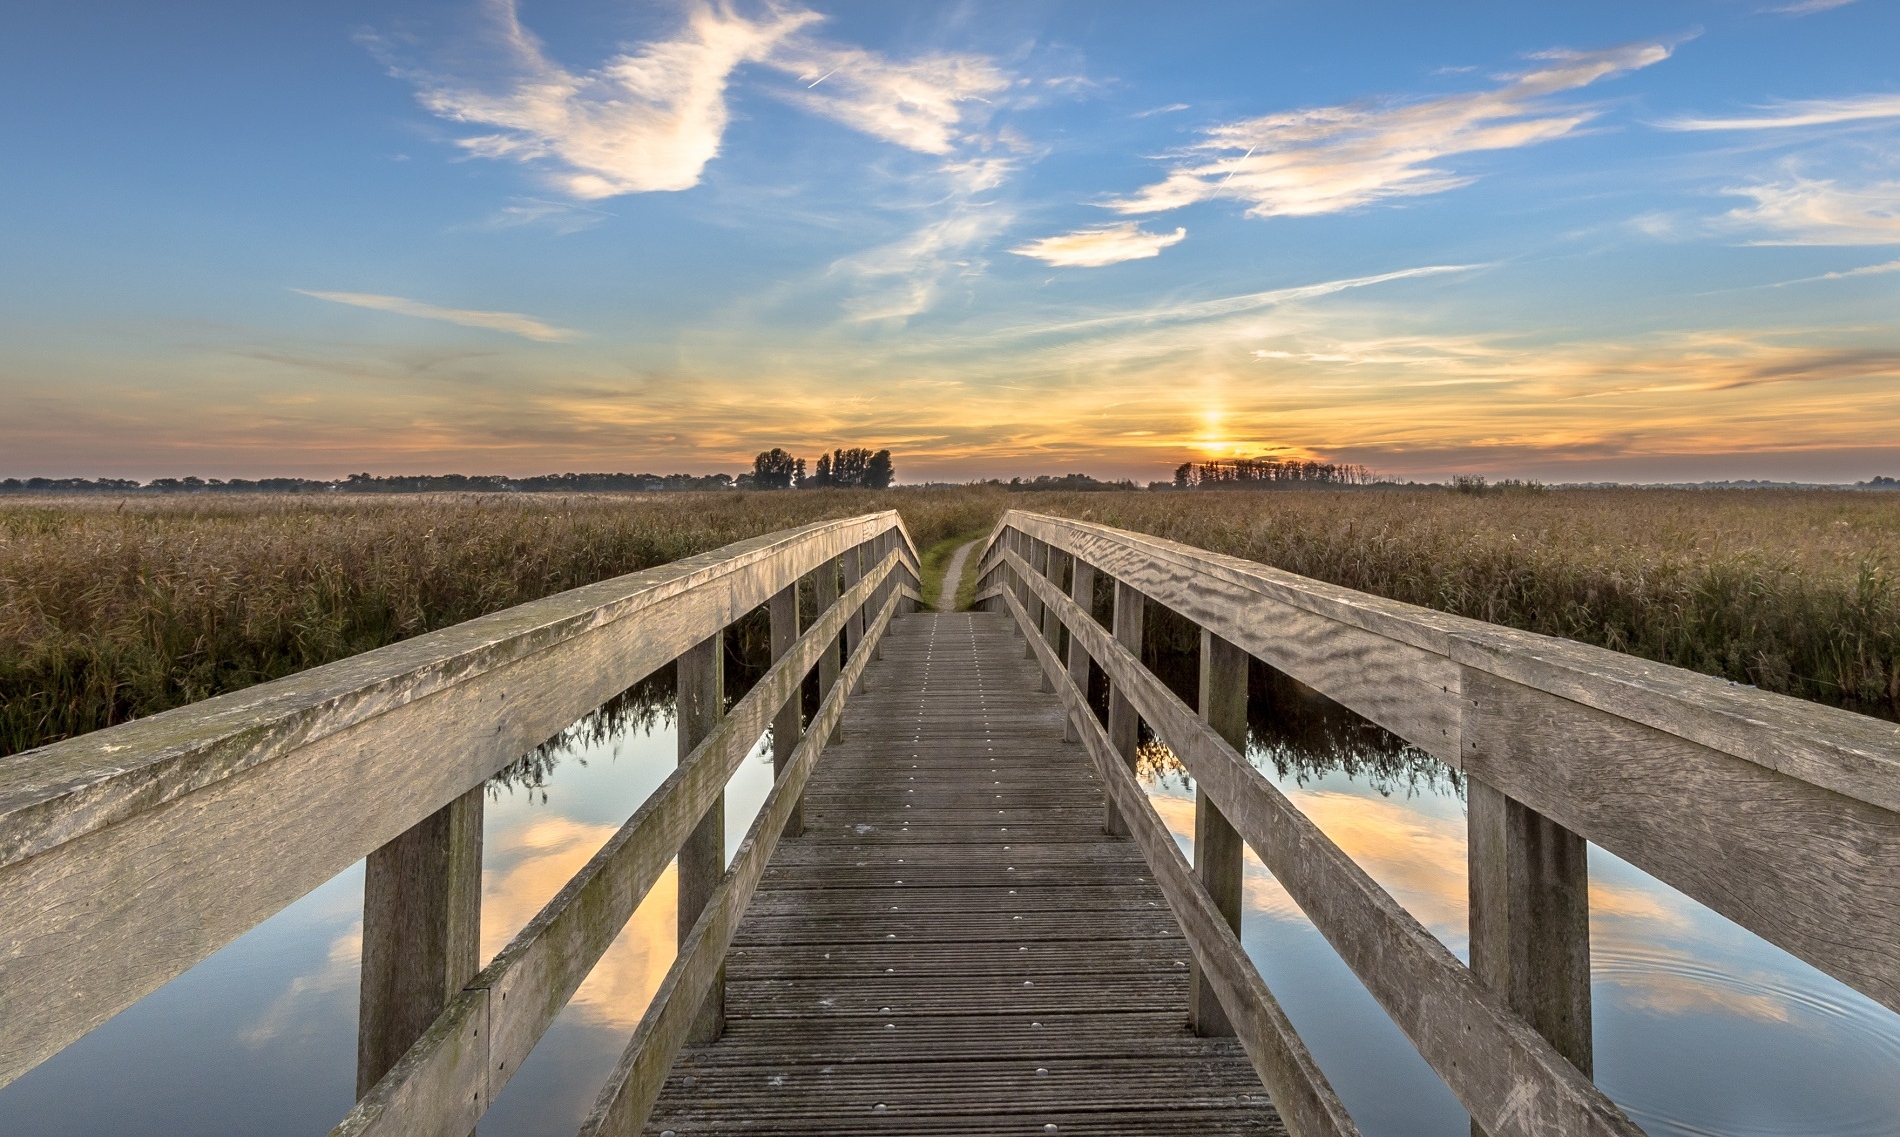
point(514, 323)
point(1328, 159)
point(1101, 245)
point(906, 277)
point(1845, 274)
point(920, 104)
point(1807, 112)
point(562, 217)
point(1809, 7)
point(1805, 211)
point(647, 120)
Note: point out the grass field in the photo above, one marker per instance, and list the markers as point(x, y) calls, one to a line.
point(111, 609)
point(1792, 591)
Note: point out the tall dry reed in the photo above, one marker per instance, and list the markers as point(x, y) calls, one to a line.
point(114, 609)
point(1792, 591)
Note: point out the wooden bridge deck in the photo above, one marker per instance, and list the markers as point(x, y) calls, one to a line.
point(953, 945)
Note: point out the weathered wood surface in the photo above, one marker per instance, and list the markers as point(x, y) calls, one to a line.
point(920, 950)
point(1300, 1091)
point(1505, 1074)
point(1853, 755)
point(483, 1038)
point(184, 830)
point(422, 931)
point(1778, 813)
point(626, 1100)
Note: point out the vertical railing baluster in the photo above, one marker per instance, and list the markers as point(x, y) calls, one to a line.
point(699, 700)
point(854, 624)
point(1054, 562)
point(786, 728)
point(422, 931)
point(1032, 603)
point(1082, 591)
point(1530, 918)
point(1124, 725)
point(825, 589)
point(1217, 844)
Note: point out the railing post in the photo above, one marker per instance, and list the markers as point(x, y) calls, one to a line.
point(1053, 562)
point(1530, 918)
point(700, 690)
point(422, 931)
point(854, 624)
point(786, 729)
point(1124, 731)
point(1038, 558)
point(825, 589)
point(1217, 844)
point(1082, 591)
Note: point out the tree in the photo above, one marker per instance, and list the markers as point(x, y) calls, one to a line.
point(878, 472)
point(775, 470)
point(822, 476)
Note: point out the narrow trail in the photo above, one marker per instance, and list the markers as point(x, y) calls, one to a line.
point(953, 576)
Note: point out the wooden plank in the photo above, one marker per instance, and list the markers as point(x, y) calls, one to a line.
point(1082, 591)
point(184, 830)
point(1507, 1076)
point(787, 727)
point(627, 1098)
point(825, 591)
point(1300, 1091)
point(989, 978)
point(1408, 689)
point(1124, 726)
point(701, 696)
point(1854, 755)
point(1218, 849)
point(422, 931)
point(532, 978)
point(1810, 870)
point(1530, 917)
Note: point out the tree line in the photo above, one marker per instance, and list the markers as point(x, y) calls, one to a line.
point(1268, 473)
point(855, 467)
point(366, 483)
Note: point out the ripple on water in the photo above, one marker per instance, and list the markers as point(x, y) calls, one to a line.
point(1782, 998)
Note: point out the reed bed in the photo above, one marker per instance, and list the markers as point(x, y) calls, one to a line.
point(113, 609)
point(1791, 591)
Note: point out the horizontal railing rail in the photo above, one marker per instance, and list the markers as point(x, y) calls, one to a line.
point(450, 1075)
point(130, 854)
point(1778, 813)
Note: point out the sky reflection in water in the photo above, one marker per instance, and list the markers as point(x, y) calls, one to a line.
point(1701, 1028)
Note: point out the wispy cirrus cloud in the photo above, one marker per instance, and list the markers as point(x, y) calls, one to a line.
point(921, 104)
point(1808, 7)
point(1803, 112)
point(1819, 211)
point(647, 120)
point(1329, 159)
point(513, 323)
point(1100, 245)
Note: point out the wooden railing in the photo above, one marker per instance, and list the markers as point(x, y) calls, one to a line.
point(129, 854)
point(1777, 813)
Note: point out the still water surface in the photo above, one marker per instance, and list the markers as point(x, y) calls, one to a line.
point(1701, 1028)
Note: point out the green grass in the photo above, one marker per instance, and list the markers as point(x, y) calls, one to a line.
point(936, 561)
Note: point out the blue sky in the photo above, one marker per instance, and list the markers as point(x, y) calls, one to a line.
point(1656, 241)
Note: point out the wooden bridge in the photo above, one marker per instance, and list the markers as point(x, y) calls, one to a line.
point(956, 911)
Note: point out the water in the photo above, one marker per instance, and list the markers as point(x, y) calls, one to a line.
point(1701, 1027)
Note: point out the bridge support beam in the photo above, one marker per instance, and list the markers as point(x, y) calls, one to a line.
point(1082, 591)
point(1124, 724)
point(786, 727)
point(700, 697)
point(1218, 849)
point(1530, 918)
point(422, 931)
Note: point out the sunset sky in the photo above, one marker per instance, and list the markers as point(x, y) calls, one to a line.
point(1655, 241)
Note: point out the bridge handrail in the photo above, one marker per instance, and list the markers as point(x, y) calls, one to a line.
point(1776, 812)
point(130, 854)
